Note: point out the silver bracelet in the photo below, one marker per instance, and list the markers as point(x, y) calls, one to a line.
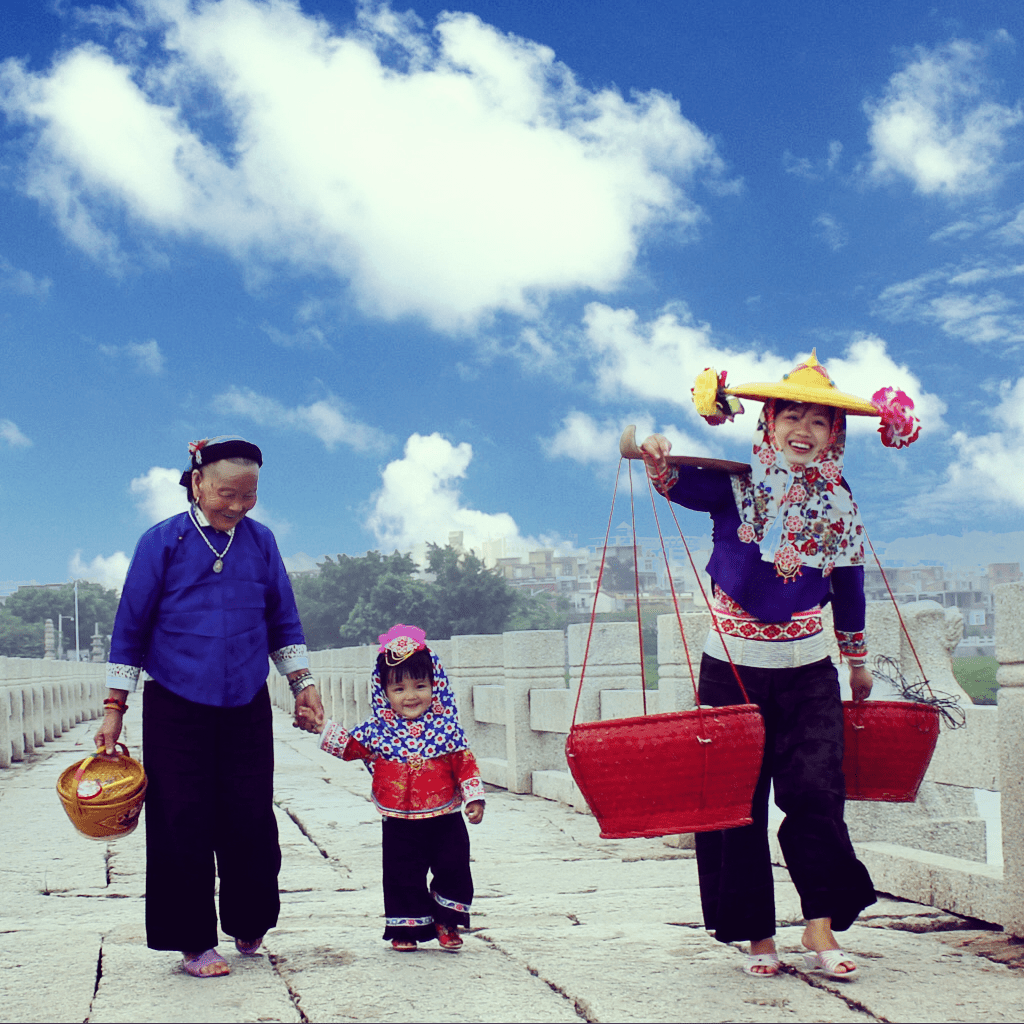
point(299, 684)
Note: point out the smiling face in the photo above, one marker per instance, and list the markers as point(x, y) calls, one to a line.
point(225, 492)
point(409, 696)
point(802, 431)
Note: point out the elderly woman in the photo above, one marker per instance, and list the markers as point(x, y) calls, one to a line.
point(206, 600)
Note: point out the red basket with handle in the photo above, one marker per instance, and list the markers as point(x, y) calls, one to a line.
point(888, 747)
point(659, 775)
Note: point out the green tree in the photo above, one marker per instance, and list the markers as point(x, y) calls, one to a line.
point(326, 600)
point(19, 639)
point(393, 599)
point(96, 604)
point(471, 598)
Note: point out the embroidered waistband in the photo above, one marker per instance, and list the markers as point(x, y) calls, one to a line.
point(734, 620)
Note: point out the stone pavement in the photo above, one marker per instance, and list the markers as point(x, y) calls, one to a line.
point(567, 926)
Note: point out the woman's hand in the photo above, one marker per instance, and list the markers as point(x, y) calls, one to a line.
point(309, 711)
point(109, 731)
point(655, 450)
point(860, 682)
point(475, 811)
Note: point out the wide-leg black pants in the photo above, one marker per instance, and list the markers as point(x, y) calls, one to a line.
point(803, 717)
point(210, 799)
point(411, 848)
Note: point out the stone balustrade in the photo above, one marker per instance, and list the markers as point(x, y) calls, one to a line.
point(517, 693)
point(41, 699)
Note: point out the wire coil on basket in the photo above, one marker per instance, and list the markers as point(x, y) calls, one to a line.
point(103, 796)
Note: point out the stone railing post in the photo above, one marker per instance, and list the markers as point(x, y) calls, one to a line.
point(533, 659)
point(477, 668)
point(613, 663)
point(1010, 676)
point(675, 686)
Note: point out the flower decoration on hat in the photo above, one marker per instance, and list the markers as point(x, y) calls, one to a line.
point(900, 426)
point(195, 449)
point(711, 400)
point(401, 642)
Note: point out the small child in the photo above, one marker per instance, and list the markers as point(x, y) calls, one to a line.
point(422, 772)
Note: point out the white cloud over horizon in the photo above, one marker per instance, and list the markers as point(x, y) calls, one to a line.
point(446, 171)
point(420, 501)
point(325, 419)
point(586, 439)
point(937, 125)
point(659, 360)
point(108, 571)
point(158, 494)
point(984, 471)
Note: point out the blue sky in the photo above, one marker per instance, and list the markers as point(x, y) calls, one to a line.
point(433, 262)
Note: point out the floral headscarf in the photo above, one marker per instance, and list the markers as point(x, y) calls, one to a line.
point(435, 732)
point(799, 515)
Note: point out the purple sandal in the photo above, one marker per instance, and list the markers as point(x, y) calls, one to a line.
point(208, 959)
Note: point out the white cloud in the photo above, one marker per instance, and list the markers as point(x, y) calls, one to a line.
point(107, 571)
point(831, 232)
point(813, 170)
point(324, 419)
point(586, 439)
point(158, 494)
point(962, 301)
point(985, 472)
point(301, 562)
point(10, 433)
point(660, 360)
point(936, 125)
point(420, 502)
point(13, 279)
point(146, 355)
point(446, 173)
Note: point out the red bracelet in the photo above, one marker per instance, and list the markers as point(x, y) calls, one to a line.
point(113, 704)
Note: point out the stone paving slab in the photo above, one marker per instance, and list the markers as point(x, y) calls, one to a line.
point(567, 926)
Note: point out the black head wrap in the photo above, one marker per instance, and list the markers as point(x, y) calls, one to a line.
point(213, 449)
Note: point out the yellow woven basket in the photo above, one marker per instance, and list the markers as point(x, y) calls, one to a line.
point(102, 795)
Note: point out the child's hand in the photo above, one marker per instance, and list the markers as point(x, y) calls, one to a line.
point(475, 811)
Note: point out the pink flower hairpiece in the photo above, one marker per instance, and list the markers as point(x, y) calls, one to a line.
point(195, 449)
point(401, 642)
point(900, 426)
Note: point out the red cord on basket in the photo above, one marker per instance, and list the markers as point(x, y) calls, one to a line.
point(597, 592)
point(711, 611)
point(636, 588)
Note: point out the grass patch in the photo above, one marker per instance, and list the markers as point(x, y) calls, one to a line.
point(978, 677)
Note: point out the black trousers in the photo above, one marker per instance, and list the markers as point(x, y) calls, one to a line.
point(411, 848)
point(803, 717)
point(210, 799)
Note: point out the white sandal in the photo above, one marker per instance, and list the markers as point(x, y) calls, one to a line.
point(769, 960)
point(828, 961)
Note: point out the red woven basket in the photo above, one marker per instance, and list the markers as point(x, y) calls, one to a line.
point(659, 775)
point(889, 745)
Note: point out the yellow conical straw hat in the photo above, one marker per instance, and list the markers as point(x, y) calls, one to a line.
point(810, 383)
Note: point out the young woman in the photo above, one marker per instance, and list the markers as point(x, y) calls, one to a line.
point(787, 540)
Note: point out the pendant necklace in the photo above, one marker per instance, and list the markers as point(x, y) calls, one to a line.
point(218, 565)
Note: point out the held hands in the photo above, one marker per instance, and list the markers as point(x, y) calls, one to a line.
point(475, 811)
point(309, 711)
point(860, 682)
